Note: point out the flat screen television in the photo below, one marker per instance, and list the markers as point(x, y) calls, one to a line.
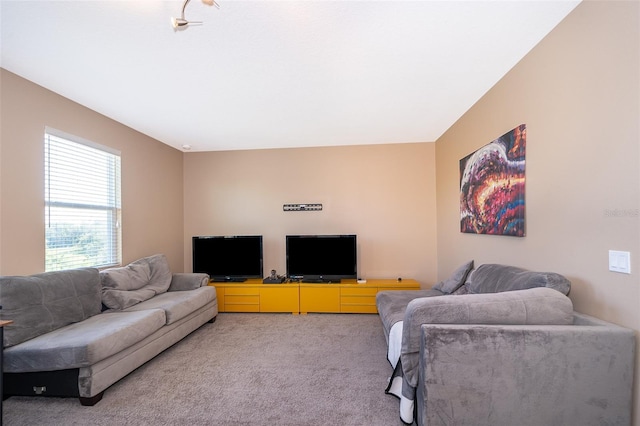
point(228, 258)
point(321, 258)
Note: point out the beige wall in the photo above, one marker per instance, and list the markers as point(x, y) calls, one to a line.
point(578, 92)
point(151, 178)
point(383, 193)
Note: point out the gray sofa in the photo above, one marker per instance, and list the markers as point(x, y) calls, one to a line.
point(500, 345)
point(77, 332)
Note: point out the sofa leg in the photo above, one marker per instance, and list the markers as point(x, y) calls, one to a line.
point(91, 401)
point(212, 320)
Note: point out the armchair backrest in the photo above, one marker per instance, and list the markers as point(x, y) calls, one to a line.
point(495, 278)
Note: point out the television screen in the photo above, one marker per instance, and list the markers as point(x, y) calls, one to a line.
point(228, 258)
point(321, 258)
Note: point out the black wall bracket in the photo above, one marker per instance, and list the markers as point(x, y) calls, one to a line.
point(301, 207)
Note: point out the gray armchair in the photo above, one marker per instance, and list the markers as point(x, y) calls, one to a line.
point(579, 374)
point(500, 345)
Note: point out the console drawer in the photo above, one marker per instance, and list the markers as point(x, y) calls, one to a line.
point(241, 303)
point(319, 298)
point(254, 291)
point(280, 299)
point(358, 291)
point(358, 309)
point(241, 308)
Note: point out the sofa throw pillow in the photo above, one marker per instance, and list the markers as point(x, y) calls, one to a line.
point(41, 303)
point(495, 278)
point(138, 281)
point(131, 277)
point(188, 281)
point(456, 280)
point(160, 273)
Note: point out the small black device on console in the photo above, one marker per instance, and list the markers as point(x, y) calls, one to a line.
point(274, 278)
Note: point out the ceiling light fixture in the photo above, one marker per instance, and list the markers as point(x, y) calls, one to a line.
point(182, 23)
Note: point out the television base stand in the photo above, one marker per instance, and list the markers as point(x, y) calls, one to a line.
point(228, 279)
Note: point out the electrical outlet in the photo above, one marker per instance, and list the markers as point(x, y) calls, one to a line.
point(620, 261)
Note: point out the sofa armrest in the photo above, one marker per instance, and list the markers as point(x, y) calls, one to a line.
point(188, 281)
point(539, 305)
point(525, 374)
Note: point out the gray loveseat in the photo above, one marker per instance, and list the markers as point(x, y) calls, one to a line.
point(77, 332)
point(500, 345)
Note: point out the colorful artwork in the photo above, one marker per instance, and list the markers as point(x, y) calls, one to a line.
point(492, 186)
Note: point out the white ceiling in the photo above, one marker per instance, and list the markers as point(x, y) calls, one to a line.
point(268, 74)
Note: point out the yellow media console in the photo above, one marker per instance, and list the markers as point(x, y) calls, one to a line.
point(348, 296)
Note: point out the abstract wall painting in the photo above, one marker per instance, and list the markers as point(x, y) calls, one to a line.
point(492, 183)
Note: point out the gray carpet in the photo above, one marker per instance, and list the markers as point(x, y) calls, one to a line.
point(245, 369)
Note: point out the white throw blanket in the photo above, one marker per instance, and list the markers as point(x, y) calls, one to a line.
point(395, 382)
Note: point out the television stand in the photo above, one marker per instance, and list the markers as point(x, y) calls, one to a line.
point(256, 296)
point(296, 297)
point(321, 281)
point(348, 296)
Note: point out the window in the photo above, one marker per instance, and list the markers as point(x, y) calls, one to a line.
point(82, 203)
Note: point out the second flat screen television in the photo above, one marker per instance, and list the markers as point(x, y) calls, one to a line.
point(321, 258)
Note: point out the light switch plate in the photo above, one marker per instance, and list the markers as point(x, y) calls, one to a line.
point(620, 261)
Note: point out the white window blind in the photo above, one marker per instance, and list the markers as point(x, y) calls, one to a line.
point(82, 203)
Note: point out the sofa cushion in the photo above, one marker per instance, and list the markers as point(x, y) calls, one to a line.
point(456, 280)
point(84, 343)
point(493, 278)
point(178, 304)
point(138, 281)
point(40, 303)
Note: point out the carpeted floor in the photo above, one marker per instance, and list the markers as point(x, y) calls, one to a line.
point(245, 369)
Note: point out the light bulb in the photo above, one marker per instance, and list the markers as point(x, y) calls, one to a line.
point(179, 22)
point(211, 3)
